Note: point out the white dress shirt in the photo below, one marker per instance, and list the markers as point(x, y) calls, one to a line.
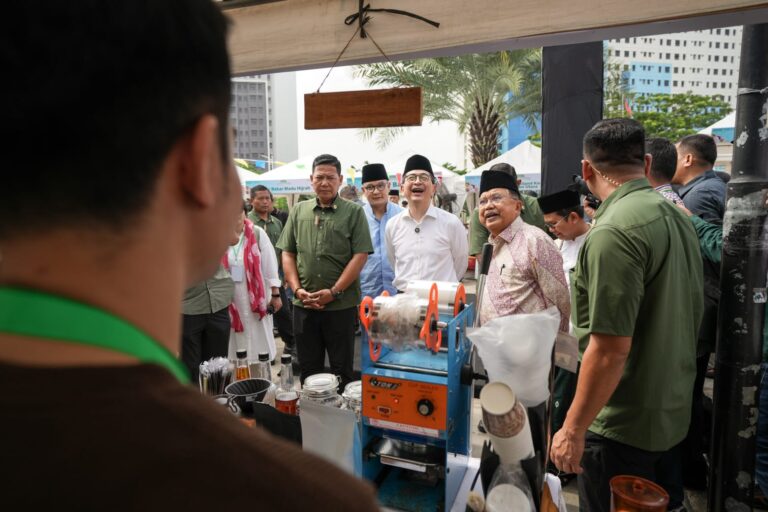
point(434, 249)
point(569, 250)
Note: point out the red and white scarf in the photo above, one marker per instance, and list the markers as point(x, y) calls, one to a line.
point(253, 278)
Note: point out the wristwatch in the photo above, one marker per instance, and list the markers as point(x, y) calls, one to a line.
point(336, 294)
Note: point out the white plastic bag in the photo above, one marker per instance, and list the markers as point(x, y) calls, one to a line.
point(328, 432)
point(517, 350)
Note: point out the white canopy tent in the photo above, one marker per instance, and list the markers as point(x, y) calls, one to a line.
point(290, 180)
point(728, 121)
point(525, 158)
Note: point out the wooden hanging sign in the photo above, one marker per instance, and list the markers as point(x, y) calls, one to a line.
point(376, 108)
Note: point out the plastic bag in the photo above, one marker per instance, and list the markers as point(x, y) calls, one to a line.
point(509, 490)
point(517, 350)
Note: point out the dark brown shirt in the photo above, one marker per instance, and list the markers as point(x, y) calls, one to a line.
point(133, 438)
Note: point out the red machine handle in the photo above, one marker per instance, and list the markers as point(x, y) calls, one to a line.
point(432, 338)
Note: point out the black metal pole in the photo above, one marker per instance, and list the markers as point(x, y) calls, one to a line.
point(743, 287)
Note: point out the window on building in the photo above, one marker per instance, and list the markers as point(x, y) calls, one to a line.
point(714, 71)
point(626, 53)
point(677, 42)
point(668, 56)
point(717, 58)
point(714, 85)
point(659, 69)
point(722, 85)
point(634, 54)
point(616, 53)
point(717, 45)
point(717, 31)
point(675, 70)
point(633, 67)
point(666, 83)
point(727, 32)
point(666, 69)
point(658, 82)
point(674, 83)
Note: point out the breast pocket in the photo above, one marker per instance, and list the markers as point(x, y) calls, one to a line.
point(336, 239)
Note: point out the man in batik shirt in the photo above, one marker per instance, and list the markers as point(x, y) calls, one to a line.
point(526, 273)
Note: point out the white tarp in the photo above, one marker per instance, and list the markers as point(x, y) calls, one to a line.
point(525, 158)
point(288, 179)
point(728, 121)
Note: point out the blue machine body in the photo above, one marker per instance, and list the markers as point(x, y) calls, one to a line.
point(433, 370)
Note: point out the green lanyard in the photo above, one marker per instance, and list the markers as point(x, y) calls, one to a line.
point(41, 315)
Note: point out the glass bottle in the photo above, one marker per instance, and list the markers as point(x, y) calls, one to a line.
point(287, 398)
point(241, 367)
point(265, 369)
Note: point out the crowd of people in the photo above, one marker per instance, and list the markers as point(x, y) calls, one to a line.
point(630, 284)
point(95, 364)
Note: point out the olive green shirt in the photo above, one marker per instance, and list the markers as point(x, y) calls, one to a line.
point(211, 295)
point(324, 241)
point(639, 274)
point(273, 228)
point(531, 214)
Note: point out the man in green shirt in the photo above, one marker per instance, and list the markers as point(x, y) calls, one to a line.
point(205, 320)
point(637, 306)
point(261, 215)
point(530, 214)
point(325, 245)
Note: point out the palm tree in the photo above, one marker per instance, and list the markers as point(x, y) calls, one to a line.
point(479, 92)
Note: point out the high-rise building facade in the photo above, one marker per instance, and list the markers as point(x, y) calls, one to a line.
point(250, 116)
point(704, 62)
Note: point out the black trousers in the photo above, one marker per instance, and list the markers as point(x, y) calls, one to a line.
point(695, 443)
point(603, 459)
point(318, 332)
point(203, 337)
point(284, 319)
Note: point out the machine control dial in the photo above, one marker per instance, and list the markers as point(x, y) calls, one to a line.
point(425, 407)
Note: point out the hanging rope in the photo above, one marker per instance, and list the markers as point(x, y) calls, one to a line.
point(361, 16)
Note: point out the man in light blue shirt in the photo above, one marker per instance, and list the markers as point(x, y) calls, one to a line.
point(377, 275)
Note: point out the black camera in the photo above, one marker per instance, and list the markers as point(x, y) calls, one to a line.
point(580, 186)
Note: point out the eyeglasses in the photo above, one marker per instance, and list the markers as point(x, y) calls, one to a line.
point(551, 225)
point(422, 178)
point(371, 188)
point(495, 199)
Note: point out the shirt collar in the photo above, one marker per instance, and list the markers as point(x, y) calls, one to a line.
point(624, 190)
point(431, 212)
point(706, 175)
point(509, 232)
point(334, 204)
point(666, 187)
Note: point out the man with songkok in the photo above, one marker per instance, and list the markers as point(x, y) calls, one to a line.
point(425, 242)
point(637, 304)
point(97, 411)
point(530, 213)
point(526, 270)
point(564, 217)
point(394, 196)
point(325, 244)
point(377, 275)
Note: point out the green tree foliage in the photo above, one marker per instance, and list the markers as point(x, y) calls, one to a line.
point(676, 115)
point(479, 92)
point(615, 89)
